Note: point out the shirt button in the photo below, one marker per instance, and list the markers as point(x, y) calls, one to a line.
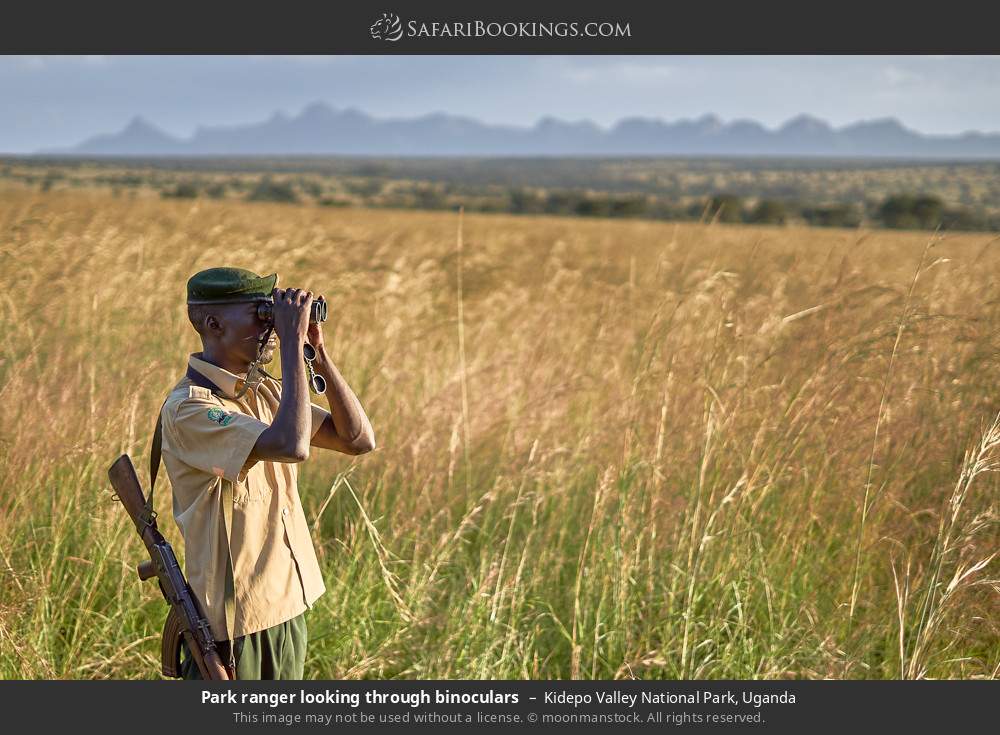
point(284, 511)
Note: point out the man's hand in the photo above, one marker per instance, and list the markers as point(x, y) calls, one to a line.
point(287, 438)
point(315, 332)
point(291, 314)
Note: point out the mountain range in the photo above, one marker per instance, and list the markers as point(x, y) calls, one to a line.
point(324, 130)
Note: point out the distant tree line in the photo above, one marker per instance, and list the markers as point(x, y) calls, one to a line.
point(893, 210)
point(896, 211)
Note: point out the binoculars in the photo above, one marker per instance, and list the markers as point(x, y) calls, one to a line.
point(317, 313)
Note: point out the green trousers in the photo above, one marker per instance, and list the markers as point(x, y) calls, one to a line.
point(273, 653)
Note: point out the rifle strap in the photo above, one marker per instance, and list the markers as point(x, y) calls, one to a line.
point(226, 498)
point(230, 594)
point(148, 516)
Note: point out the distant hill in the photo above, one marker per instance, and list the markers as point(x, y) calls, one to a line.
point(323, 130)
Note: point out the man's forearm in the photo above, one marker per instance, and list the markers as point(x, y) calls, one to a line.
point(349, 418)
point(293, 418)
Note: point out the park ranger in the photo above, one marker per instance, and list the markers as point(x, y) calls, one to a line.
point(232, 436)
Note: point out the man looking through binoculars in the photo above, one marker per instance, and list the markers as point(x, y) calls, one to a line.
point(232, 436)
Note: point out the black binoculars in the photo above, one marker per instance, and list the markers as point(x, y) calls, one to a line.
point(317, 313)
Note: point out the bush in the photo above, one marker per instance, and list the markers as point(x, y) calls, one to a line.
point(216, 190)
point(268, 190)
point(929, 211)
point(523, 201)
point(834, 215)
point(906, 211)
point(563, 202)
point(635, 206)
point(965, 219)
point(430, 198)
point(726, 208)
point(769, 212)
point(311, 187)
point(597, 207)
point(365, 188)
point(183, 190)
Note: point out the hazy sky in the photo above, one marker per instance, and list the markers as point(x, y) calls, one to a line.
point(56, 101)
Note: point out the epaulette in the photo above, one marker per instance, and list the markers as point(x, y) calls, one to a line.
point(196, 391)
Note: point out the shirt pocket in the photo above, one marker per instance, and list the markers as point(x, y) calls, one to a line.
point(251, 490)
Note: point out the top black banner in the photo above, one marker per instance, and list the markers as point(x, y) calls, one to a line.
point(510, 27)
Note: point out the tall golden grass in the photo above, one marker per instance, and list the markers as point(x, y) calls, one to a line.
point(606, 449)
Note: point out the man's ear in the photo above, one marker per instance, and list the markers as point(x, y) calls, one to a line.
point(213, 325)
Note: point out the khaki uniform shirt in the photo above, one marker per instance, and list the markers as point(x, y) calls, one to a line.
point(205, 440)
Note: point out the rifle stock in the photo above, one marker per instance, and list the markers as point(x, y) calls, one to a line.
point(185, 615)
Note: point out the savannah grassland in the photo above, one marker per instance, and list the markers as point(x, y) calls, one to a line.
point(606, 449)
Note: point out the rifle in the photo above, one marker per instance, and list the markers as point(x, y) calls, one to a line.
point(185, 616)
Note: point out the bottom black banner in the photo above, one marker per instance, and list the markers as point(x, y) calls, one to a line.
point(514, 706)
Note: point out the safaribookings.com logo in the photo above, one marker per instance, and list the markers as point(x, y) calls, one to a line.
point(387, 28)
point(390, 28)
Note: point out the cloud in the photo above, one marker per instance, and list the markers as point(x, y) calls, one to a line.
point(304, 60)
point(632, 73)
point(41, 63)
point(895, 76)
point(29, 63)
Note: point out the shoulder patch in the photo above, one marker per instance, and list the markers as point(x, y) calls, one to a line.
point(196, 391)
point(222, 418)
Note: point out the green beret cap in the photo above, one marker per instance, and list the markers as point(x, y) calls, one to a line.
point(229, 286)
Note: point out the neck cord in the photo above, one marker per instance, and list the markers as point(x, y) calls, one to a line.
point(255, 372)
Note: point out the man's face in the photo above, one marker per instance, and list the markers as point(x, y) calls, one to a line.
point(243, 331)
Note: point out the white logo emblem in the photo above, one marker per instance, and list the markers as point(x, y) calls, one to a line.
point(387, 28)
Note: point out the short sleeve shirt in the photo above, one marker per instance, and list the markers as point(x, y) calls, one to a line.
point(206, 441)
